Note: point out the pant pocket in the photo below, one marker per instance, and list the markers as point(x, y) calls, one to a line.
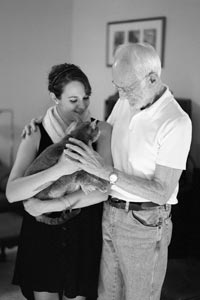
point(149, 218)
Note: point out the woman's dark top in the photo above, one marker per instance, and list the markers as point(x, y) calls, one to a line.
point(60, 258)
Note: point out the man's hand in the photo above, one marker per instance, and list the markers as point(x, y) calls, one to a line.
point(31, 127)
point(87, 159)
point(34, 206)
point(66, 165)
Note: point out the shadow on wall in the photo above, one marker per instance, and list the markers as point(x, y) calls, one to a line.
point(195, 147)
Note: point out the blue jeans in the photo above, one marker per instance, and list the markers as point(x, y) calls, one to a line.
point(135, 250)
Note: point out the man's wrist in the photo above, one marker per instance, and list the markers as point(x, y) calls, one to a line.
point(113, 177)
point(110, 174)
point(105, 174)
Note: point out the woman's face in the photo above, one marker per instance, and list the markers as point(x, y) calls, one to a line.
point(73, 104)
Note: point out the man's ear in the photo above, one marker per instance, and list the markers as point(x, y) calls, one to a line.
point(71, 127)
point(153, 78)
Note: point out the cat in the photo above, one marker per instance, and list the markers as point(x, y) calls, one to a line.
point(87, 132)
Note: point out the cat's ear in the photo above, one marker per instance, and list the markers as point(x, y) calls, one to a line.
point(71, 127)
point(93, 124)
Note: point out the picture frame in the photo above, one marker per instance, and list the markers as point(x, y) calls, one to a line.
point(148, 30)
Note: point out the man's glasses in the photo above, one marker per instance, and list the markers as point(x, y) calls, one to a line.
point(127, 89)
point(131, 87)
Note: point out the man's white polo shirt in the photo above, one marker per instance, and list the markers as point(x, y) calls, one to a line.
point(159, 134)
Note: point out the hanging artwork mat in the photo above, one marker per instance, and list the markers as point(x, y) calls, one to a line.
point(150, 30)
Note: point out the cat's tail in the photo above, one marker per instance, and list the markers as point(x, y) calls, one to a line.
point(64, 217)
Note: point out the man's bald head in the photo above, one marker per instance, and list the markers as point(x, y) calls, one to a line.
point(136, 59)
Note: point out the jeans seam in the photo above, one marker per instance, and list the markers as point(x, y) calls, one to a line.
point(115, 273)
point(116, 262)
point(159, 228)
point(114, 285)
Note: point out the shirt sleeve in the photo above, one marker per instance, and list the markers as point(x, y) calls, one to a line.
point(112, 116)
point(174, 143)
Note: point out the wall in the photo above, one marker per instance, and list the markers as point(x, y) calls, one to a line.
point(182, 63)
point(34, 35)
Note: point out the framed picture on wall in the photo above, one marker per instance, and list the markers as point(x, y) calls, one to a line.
point(150, 30)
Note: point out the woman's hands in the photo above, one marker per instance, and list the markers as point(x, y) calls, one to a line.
point(31, 127)
point(85, 158)
point(34, 206)
point(78, 199)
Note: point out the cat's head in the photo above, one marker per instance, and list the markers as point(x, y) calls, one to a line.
point(87, 132)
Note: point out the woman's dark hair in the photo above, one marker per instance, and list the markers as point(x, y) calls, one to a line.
point(61, 75)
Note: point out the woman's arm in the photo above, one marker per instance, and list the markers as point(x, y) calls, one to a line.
point(79, 199)
point(19, 187)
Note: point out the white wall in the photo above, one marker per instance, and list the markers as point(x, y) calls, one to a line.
point(34, 35)
point(182, 61)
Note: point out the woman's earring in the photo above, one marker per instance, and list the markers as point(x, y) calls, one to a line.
point(56, 101)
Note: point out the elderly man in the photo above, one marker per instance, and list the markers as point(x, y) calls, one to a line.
point(150, 142)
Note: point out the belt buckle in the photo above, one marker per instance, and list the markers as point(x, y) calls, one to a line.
point(127, 206)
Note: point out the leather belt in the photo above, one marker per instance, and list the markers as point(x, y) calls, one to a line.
point(136, 206)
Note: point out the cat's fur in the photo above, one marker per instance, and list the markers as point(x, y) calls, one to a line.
point(88, 132)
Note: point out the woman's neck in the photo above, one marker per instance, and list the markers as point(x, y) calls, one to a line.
point(65, 121)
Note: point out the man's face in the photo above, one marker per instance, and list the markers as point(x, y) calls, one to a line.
point(130, 87)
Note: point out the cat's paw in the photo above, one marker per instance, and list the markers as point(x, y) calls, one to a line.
point(103, 188)
point(98, 185)
point(88, 188)
point(101, 185)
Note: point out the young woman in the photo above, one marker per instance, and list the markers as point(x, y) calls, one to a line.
point(54, 262)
